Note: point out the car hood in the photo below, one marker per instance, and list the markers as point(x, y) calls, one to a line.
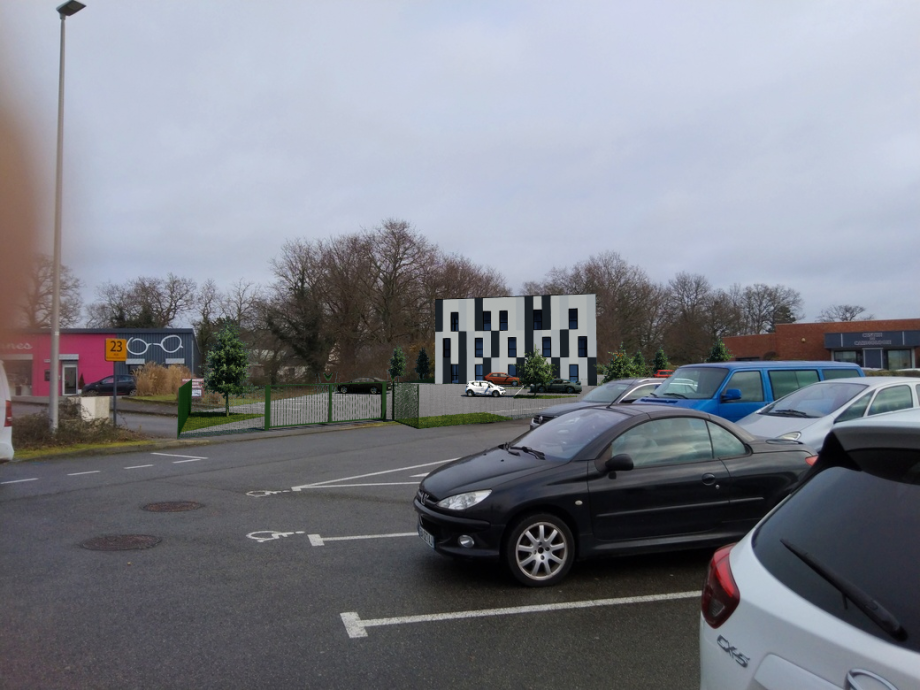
point(558, 410)
point(772, 426)
point(484, 470)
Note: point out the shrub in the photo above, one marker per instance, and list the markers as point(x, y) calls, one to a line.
point(155, 379)
point(33, 431)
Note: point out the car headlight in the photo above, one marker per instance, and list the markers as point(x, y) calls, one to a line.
point(464, 501)
point(792, 436)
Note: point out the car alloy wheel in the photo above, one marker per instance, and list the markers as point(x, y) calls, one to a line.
point(494, 394)
point(373, 391)
point(470, 393)
point(569, 390)
point(539, 550)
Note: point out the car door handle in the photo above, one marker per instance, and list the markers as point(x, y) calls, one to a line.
point(709, 479)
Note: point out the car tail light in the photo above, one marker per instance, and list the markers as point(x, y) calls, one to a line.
point(8, 419)
point(812, 459)
point(720, 594)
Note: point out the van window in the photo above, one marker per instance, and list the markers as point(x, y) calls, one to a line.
point(749, 383)
point(787, 381)
point(892, 399)
point(838, 373)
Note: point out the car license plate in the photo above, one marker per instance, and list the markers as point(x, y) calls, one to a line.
point(426, 536)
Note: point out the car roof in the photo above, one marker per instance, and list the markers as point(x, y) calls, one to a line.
point(647, 379)
point(772, 364)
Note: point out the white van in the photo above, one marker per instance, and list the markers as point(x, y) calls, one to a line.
point(6, 431)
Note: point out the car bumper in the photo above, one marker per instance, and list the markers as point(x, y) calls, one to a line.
point(447, 530)
point(6, 451)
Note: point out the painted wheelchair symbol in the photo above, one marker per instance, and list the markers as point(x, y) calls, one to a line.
point(270, 535)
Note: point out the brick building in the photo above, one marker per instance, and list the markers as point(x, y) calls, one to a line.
point(889, 344)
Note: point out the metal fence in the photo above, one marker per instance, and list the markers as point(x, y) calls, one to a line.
point(413, 404)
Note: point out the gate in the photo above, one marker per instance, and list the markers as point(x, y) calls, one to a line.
point(406, 404)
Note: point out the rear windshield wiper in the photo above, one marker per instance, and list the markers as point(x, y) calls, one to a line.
point(533, 451)
point(881, 616)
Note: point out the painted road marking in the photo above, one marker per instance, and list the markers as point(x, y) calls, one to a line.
point(179, 462)
point(137, 467)
point(316, 540)
point(358, 628)
point(270, 535)
point(371, 474)
point(19, 481)
point(172, 455)
point(77, 474)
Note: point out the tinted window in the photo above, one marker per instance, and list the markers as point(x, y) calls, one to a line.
point(573, 319)
point(512, 370)
point(573, 373)
point(582, 346)
point(512, 347)
point(724, 443)
point(665, 442)
point(693, 383)
point(892, 399)
point(861, 527)
point(487, 321)
point(446, 348)
point(570, 433)
point(503, 320)
point(547, 347)
point(455, 321)
point(640, 392)
point(538, 319)
point(838, 373)
point(749, 383)
point(857, 409)
point(479, 347)
point(785, 382)
point(606, 393)
point(454, 373)
point(479, 372)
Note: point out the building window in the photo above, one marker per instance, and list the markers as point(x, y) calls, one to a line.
point(512, 347)
point(854, 356)
point(455, 321)
point(447, 349)
point(479, 372)
point(547, 347)
point(503, 320)
point(582, 346)
point(573, 373)
point(487, 321)
point(512, 370)
point(538, 319)
point(573, 319)
point(479, 347)
point(898, 359)
point(455, 373)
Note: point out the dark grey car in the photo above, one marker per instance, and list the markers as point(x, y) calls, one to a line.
point(619, 391)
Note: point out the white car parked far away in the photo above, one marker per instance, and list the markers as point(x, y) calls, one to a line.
point(484, 388)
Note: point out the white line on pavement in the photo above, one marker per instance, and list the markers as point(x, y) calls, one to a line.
point(172, 455)
point(316, 540)
point(179, 462)
point(137, 467)
point(19, 481)
point(358, 628)
point(349, 486)
point(371, 474)
point(77, 474)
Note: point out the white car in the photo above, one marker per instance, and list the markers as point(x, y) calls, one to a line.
point(484, 388)
point(822, 593)
point(6, 430)
point(808, 414)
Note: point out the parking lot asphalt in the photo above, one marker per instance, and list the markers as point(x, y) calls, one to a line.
point(299, 567)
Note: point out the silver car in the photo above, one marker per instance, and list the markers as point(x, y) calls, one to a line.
point(808, 414)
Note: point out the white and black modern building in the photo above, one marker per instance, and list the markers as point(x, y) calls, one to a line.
point(484, 334)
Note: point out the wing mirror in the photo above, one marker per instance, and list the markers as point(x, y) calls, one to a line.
point(731, 394)
point(619, 462)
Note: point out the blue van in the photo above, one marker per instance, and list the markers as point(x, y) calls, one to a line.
point(735, 389)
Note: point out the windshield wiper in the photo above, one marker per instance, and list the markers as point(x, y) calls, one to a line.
point(507, 447)
point(881, 616)
point(788, 413)
point(533, 451)
point(673, 395)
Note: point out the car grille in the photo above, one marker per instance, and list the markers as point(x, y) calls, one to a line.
point(426, 499)
point(541, 419)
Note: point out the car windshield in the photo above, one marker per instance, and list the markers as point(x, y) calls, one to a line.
point(692, 383)
point(563, 438)
point(606, 393)
point(816, 400)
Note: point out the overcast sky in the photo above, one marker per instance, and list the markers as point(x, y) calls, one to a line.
point(766, 141)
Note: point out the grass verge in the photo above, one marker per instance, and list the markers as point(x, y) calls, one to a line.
point(203, 420)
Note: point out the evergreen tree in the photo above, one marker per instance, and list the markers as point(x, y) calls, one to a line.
point(535, 371)
point(620, 366)
point(422, 364)
point(227, 366)
point(640, 368)
point(397, 364)
point(660, 362)
point(719, 353)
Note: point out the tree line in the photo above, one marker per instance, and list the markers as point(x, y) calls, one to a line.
point(343, 304)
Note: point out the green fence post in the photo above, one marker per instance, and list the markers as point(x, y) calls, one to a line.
point(383, 401)
point(268, 407)
point(329, 387)
point(185, 405)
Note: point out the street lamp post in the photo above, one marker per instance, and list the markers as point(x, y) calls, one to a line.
point(68, 9)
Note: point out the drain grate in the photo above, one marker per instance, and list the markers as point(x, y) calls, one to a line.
point(172, 506)
point(121, 542)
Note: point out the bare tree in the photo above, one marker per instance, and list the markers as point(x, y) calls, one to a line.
point(36, 300)
point(844, 312)
point(765, 306)
point(143, 302)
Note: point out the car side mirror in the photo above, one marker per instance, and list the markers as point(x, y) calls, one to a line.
point(619, 462)
point(731, 394)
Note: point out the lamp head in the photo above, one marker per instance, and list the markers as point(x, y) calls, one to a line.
point(70, 8)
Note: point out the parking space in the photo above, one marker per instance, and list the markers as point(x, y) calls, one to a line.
point(303, 568)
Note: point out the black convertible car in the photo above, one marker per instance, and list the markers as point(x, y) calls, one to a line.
point(623, 479)
point(372, 386)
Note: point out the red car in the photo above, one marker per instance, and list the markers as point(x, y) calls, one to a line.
point(500, 378)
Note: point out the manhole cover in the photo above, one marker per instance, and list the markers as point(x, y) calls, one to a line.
point(172, 506)
point(121, 542)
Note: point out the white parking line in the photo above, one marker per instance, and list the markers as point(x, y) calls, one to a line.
point(358, 628)
point(19, 481)
point(316, 540)
point(371, 474)
point(137, 467)
point(77, 474)
point(179, 462)
point(172, 455)
point(349, 486)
